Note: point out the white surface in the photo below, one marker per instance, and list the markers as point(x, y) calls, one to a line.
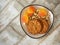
point(13, 33)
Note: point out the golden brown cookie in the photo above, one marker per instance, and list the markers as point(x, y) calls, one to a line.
point(34, 26)
point(45, 26)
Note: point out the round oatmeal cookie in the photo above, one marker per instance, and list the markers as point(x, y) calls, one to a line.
point(45, 26)
point(34, 26)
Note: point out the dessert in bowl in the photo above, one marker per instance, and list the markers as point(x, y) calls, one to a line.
point(36, 20)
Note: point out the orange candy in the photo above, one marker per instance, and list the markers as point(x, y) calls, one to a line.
point(42, 12)
point(24, 18)
point(30, 10)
